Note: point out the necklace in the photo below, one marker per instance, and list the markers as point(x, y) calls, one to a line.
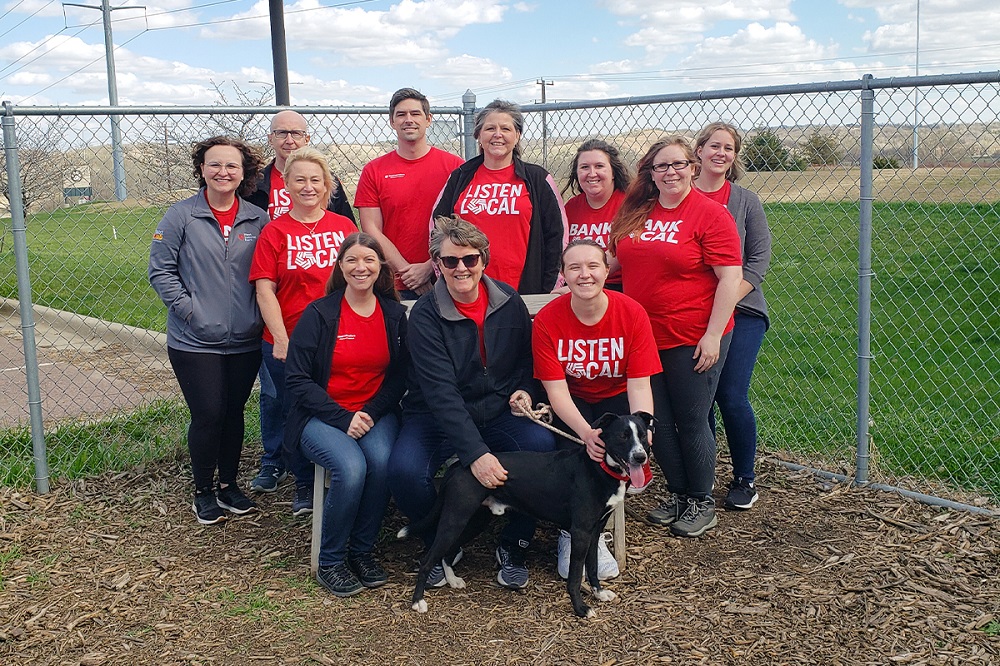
point(312, 229)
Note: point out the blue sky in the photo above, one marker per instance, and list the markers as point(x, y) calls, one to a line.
point(357, 53)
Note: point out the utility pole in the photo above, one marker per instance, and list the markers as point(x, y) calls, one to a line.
point(545, 124)
point(117, 154)
point(279, 57)
point(166, 155)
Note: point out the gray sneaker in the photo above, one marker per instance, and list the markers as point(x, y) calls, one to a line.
point(268, 479)
point(698, 518)
point(669, 511)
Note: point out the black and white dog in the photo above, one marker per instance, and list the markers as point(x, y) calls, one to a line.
point(562, 487)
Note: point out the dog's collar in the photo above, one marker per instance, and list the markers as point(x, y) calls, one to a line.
point(612, 473)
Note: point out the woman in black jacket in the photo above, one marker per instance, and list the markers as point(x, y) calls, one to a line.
point(515, 203)
point(345, 374)
point(472, 336)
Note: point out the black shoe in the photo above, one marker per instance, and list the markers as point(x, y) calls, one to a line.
point(268, 479)
point(742, 495)
point(302, 505)
point(339, 579)
point(368, 570)
point(513, 572)
point(231, 498)
point(206, 508)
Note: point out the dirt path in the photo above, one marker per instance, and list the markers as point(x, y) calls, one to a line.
point(115, 570)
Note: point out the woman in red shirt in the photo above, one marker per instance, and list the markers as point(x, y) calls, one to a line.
point(680, 259)
point(598, 177)
point(346, 373)
point(594, 352)
point(294, 258)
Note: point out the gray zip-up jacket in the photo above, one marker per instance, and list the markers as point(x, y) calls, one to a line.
point(204, 281)
point(755, 238)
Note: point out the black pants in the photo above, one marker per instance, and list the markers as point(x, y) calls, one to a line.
point(683, 443)
point(216, 388)
point(591, 411)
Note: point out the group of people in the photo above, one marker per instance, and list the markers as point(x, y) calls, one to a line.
point(264, 273)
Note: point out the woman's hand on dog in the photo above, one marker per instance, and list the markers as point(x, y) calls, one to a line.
point(595, 445)
point(488, 471)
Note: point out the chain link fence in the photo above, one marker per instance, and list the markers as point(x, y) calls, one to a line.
point(930, 424)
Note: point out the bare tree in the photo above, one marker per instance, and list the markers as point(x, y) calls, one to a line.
point(246, 126)
point(42, 160)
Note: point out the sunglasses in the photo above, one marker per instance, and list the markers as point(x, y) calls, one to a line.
point(470, 260)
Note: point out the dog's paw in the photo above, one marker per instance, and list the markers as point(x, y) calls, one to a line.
point(403, 533)
point(604, 595)
point(591, 614)
point(454, 581)
point(420, 606)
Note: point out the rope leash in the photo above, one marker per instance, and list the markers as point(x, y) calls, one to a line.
point(542, 415)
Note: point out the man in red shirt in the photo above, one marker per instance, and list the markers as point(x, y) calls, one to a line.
point(289, 132)
point(397, 191)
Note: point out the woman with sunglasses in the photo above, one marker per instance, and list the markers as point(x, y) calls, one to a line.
point(680, 258)
point(471, 338)
point(199, 263)
point(717, 148)
point(346, 372)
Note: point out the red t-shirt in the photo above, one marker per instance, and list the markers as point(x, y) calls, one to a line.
point(299, 258)
point(667, 267)
point(476, 311)
point(279, 202)
point(721, 195)
point(498, 203)
point(360, 358)
point(596, 361)
point(405, 191)
point(593, 223)
point(225, 218)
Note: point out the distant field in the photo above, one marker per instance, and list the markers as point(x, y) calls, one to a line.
point(935, 323)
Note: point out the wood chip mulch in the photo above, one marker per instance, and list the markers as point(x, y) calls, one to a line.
point(115, 570)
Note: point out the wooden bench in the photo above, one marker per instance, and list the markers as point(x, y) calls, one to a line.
point(616, 523)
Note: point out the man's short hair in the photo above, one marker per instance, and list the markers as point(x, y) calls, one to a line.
point(409, 93)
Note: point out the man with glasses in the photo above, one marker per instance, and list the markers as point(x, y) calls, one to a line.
point(397, 191)
point(289, 132)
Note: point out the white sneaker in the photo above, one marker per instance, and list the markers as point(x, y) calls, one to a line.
point(607, 565)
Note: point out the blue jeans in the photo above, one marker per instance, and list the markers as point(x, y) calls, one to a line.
point(422, 447)
point(274, 407)
point(733, 394)
point(683, 444)
point(359, 493)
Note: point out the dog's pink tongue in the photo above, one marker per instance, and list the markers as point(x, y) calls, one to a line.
point(639, 476)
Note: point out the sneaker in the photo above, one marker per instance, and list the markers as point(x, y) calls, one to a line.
point(231, 498)
point(698, 518)
point(607, 565)
point(206, 508)
point(669, 511)
point(339, 579)
point(513, 573)
point(302, 505)
point(742, 494)
point(268, 479)
point(367, 569)
point(436, 577)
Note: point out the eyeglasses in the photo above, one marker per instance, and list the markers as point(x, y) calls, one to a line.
point(219, 167)
point(298, 135)
point(470, 260)
point(667, 166)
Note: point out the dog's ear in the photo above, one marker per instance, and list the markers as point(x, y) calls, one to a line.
point(604, 420)
point(646, 418)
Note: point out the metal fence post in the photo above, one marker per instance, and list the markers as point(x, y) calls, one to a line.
point(468, 123)
point(14, 197)
point(865, 275)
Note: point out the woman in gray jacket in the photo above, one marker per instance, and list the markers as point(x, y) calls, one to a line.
point(199, 265)
point(717, 149)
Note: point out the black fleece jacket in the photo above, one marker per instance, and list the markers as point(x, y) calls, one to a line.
point(307, 369)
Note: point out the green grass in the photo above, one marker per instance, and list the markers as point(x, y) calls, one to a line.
point(935, 335)
point(92, 260)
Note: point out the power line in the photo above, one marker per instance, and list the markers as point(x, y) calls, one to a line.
point(237, 19)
